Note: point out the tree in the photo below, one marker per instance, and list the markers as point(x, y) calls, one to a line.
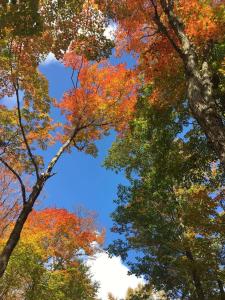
point(102, 98)
point(173, 210)
point(9, 199)
point(144, 292)
point(21, 18)
point(175, 42)
point(111, 297)
point(46, 264)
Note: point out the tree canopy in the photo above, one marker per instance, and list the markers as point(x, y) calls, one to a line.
point(172, 211)
point(168, 111)
point(47, 262)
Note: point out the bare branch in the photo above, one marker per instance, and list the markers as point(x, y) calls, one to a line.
point(23, 189)
point(149, 35)
point(75, 85)
point(23, 133)
point(71, 77)
point(79, 148)
point(162, 28)
point(61, 151)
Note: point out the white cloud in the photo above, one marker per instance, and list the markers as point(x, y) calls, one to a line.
point(112, 275)
point(110, 31)
point(49, 59)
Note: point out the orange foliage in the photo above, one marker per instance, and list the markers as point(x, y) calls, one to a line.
point(137, 32)
point(9, 199)
point(61, 233)
point(103, 98)
point(202, 20)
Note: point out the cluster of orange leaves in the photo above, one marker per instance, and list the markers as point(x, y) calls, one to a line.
point(157, 60)
point(203, 20)
point(103, 97)
point(60, 233)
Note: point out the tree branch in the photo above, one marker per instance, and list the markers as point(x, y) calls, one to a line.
point(23, 133)
point(177, 26)
point(78, 73)
point(23, 190)
point(162, 28)
point(61, 150)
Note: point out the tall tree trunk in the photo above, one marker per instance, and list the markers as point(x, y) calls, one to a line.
point(15, 234)
point(195, 276)
point(202, 104)
point(222, 293)
point(199, 83)
point(28, 205)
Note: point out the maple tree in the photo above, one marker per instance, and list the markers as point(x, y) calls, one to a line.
point(172, 211)
point(9, 199)
point(47, 262)
point(102, 97)
point(175, 43)
point(179, 50)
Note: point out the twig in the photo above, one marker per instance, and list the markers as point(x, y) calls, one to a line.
point(23, 132)
point(23, 190)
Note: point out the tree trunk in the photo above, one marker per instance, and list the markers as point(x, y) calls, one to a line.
point(203, 106)
point(199, 82)
point(195, 276)
point(15, 234)
point(28, 205)
point(222, 293)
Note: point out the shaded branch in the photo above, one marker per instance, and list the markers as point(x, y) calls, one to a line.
point(23, 190)
point(23, 133)
point(61, 150)
point(177, 26)
point(75, 85)
point(149, 35)
point(162, 28)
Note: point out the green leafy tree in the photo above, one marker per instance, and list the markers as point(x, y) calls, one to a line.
point(175, 42)
point(21, 18)
point(46, 262)
point(111, 297)
point(144, 292)
point(173, 209)
point(73, 31)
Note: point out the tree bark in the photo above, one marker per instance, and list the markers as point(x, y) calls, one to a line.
point(28, 205)
point(195, 276)
point(203, 105)
point(222, 293)
point(199, 82)
point(15, 234)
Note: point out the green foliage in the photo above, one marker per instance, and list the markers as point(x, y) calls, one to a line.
point(30, 277)
point(143, 292)
point(170, 208)
point(217, 61)
point(22, 18)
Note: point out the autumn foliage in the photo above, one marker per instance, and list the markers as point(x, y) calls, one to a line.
point(104, 97)
point(49, 255)
point(138, 33)
point(9, 199)
point(65, 233)
point(167, 110)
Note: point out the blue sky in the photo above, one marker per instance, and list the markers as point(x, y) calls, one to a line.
point(81, 180)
